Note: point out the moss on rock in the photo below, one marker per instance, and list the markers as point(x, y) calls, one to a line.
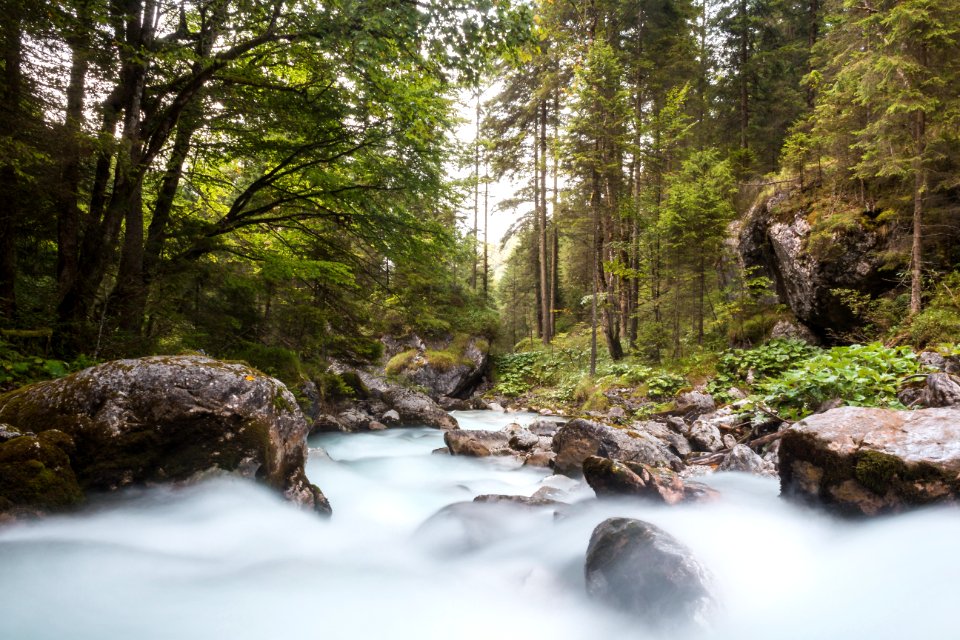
point(35, 473)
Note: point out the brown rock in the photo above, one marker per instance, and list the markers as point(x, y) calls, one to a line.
point(864, 461)
point(477, 443)
point(611, 478)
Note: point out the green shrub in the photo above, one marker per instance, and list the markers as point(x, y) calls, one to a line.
point(766, 361)
point(277, 362)
point(860, 375)
point(935, 326)
point(400, 362)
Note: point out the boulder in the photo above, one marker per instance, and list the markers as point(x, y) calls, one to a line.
point(788, 330)
point(667, 434)
point(742, 458)
point(808, 266)
point(523, 501)
point(937, 390)
point(326, 422)
point(477, 443)
point(354, 419)
point(611, 478)
point(547, 428)
point(543, 459)
point(693, 404)
point(704, 434)
point(412, 406)
point(450, 367)
point(163, 419)
point(867, 461)
point(376, 426)
point(645, 572)
point(580, 439)
point(524, 440)
point(390, 417)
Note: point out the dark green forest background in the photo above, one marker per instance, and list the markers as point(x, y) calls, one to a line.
point(270, 180)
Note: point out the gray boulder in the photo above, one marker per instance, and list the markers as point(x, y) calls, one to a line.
point(412, 406)
point(162, 419)
point(645, 572)
point(579, 439)
point(693, 404)
point(807, 269)
point(704, 435)
point(742, 458)
point(936, 390)
point(448, 367)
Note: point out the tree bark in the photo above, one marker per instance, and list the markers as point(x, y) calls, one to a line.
point(542, 226)
point(919, 192)
point(68, 210)
point(10, 123)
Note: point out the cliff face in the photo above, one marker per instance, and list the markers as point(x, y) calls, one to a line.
point(809, 262)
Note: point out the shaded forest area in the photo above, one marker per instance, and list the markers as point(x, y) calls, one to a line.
point(644, 132)
point(262, 179)
point(269, 180)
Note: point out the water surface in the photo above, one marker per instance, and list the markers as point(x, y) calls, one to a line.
point(229, 559)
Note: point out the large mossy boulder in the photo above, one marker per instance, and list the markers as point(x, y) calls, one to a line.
point(579, 439)
point(810, 262)
point(448, 367)
point(867, 461)
point(411, 405)
point(162, 419)
point(645, 572)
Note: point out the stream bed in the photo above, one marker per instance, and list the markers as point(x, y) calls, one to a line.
point(228, 559)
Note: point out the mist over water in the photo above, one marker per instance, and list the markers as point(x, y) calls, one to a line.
point(230, 559)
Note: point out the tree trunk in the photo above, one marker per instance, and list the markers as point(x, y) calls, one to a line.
point(476, 197)
point(919, 192)
point(10, 124)
point(542, 239)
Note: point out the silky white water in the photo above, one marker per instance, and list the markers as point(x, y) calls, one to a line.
point(228, 559)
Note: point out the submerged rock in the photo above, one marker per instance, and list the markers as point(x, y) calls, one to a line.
point(163, 419)
point(579, 439)
point(611, 478)
point(645, 572)
point(865, 461)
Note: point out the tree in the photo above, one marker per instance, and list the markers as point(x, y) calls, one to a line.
point(893, 64)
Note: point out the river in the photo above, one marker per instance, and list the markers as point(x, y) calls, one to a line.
point(229, 559)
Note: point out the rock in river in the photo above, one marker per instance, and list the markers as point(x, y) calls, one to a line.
point(864, 461)
point(611, 478)
point(165, 418)
point(642, 570)
point(579, 439)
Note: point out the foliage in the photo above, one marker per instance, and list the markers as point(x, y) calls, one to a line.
point(18, 368)
point(744, 367)
point(860, 375)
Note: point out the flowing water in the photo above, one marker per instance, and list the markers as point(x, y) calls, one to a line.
point(228, 559)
